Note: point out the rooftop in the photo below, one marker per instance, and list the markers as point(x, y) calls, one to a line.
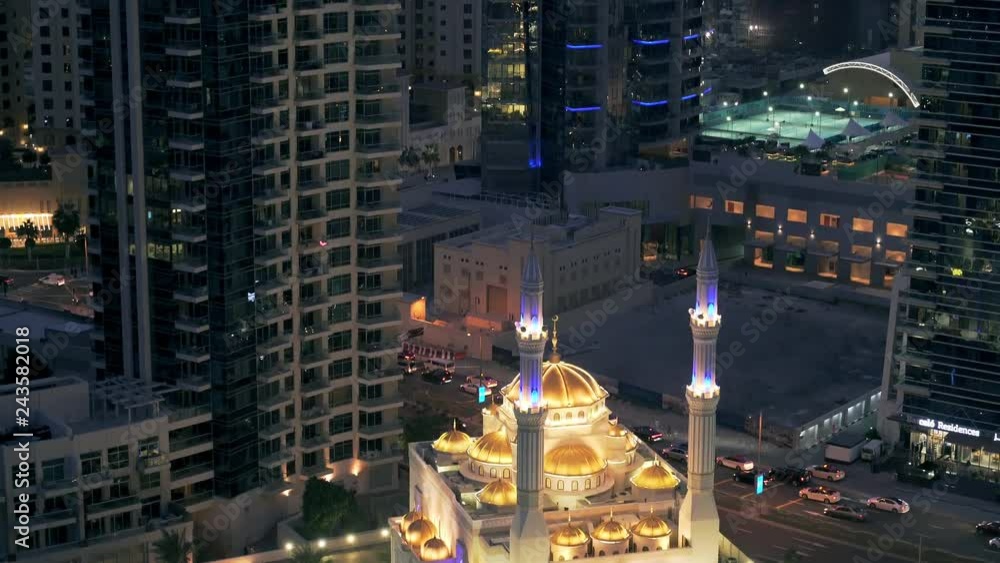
point(431, 213)
point(574, 229)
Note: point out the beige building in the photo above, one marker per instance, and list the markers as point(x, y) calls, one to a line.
point(479, 274)
point(38, 198)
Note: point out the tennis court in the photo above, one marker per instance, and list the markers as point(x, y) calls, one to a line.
point(791, 126)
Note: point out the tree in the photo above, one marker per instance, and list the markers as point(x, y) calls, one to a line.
point(304, 553)
point(430, 157)
point(45, 159)
point(5, 244)
point(66, 220)
point(325, 506)
point(29, 232)
point(409, 159)
point(29, 157)
point(424, 428)
point(172, 547)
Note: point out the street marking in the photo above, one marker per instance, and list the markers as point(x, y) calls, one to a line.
point(723, 482)
point(789, 503)
point(750, 494)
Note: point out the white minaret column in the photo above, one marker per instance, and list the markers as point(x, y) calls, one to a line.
point(699, 517)
point(529, 537)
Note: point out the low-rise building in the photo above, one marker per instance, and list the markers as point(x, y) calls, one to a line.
point(439, 116)
point(422, 227)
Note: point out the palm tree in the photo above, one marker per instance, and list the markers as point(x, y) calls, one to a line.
point(409, 158)
point(66, 220)
point(29, 157)
point(29, 232)
point(304, 553)
point(430, 157)
point(172, 547)
point(5, 244)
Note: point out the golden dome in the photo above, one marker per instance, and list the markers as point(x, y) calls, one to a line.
point(453, 441)
point(420, 532)
point(493, 448)
point(655, 477)
point(434, 549)
point(563, 385)
point(611, 531)
point(410, 517)
point(499, 493)
point(569, 536)
point(573, 460)
point(617, 431)
point(631, 442)
point(651, 527)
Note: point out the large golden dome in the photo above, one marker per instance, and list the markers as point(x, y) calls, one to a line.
point(655, 477)
point(434, 549)
point(453, 441)
point(573, 460)
point(617, 431)
point(499, 493)
point(651, 527)
point(564, 385)
point(420, 532)
point(611, 531)
point(569, 536)
point(493, 448)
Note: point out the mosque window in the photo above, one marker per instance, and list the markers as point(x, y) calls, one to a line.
point(506, 473)
point(493, 473)
point(481, 472)
point(548, 483)
point(645, 548)
point(588, 484)
point(580, 414)
point(555, 417)
point(576, 485)
point(562, 485)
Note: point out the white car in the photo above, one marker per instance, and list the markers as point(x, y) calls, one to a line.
point(889, 504)
point(485, 381)
point(827, 471)
point(995, 543)
point(820, 494)
point(470, 388)
point(53, 279)
point(737, 462)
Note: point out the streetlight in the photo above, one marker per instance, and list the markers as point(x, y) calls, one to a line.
point(809, 98)
point(820, 116)
point(729, 120)
point(802, 86)
point(765, 93)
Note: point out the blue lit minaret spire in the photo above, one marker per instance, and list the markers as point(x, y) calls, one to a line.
point(529, 538)
point(699, 517)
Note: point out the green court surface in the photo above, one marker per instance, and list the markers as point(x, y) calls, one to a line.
point(791, 126)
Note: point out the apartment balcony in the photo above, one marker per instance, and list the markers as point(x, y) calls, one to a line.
point(314, 360)
point(184, 80)
point(83, 7)
point(193, 383)
point(86, 98)
point(368, 178)
point(189, 198)
point(313, 444)
point(190, 445)
point(191, 474)
point(382, 320)
point(192, 265)
point(303, 7)
point(272, 373)
point(196, 502)
point(188, 416)
point(270, 226)
point(186, 143)
point(193, 354)
point(267, 314)
point(375, 150)
point(315, 273)
point(54, 519)
point(312, 216)
point(381, 264)
point(310, 246)
point(314, 415)
point(264, 13)
point(262, 106)
point(380, 347)
point(275, 343)
point(264, 75)
point(85, 68)
point(271, 195)
point(318, 385)
point(271, 257)
point(376, 4)
point(182, 16)
point(373, 91)
point(274, 134)
point(277, 284)
point(191, 294)
point(180, 109)
point(378, 61)
point(393, 428)
point(274, 401)
point(316, 330)
point(380, 207)
point(388, 28)
point(188, 233)
point(381, 403)
point(382, 375)
point(272, 431)
point(194, 325)
point(305, 36)
point(96, 479)
point(277, 458)
point(54, 488)
point(270, 166)
point(111, 507)
point(88, 127)
point(267, 41)
point(307, 65)
point(377, 457)
point(390, 234)
point(187, 173)
point(313, 95)
point(310, 157)
point(311, 187)
point(150, 463)
point(379, 119)
point(307, 304)
point(183, 47)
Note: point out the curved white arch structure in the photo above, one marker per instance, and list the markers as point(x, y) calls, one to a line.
point(878, 70)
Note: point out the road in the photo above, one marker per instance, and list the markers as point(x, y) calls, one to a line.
point(26, 287)
point(766, 527)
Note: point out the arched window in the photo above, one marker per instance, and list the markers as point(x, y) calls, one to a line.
point(576, 485)
point(451, 155)
point(555, 417)
point(659, 548)
point(601, 553)
point(562, 557)
point(562, 485)
point(588, 484)
point(645, 548)
point(506, 473)
point(548, 483)
point(493, 473)
point(481, 472)
point(461, 153)
point(581, 414)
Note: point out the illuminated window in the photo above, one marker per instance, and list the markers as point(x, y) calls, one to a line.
point(797, 216)
point(863, 225)
point(895, 229)
point(734, 207)
point(701, 202)
point(827, 220)
point(765, 211)
point(895, 256)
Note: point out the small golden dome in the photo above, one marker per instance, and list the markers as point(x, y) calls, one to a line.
point(564, 385)
point(410, 517)
point(573, 460)
point(434, 549)
point(569, 536)
point(651, 527)
point(452, 442)
point(611, 531)
point(493, 448)
point(631, 442)
point(617, 431)
point(499, 493)
point(420, 531)
point(655, 477)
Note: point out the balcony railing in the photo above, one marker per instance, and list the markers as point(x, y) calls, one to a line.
point(371, 89)
point(385, 117)
point(387, 146)
point(112, 504)
point(309, 64)
point(378, 59)
point(268, 71)
point(190, 442)
point(189, 471)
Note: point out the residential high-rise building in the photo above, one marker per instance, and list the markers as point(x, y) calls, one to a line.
point(15, 29)
point(243, 219)
point(942, 372)
point(571, 87)
point(51, 74)
point(442, 41)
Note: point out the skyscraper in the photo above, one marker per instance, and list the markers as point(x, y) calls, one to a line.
point(243, 226)
point(944, 364)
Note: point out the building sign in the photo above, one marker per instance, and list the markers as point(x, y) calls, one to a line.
point(949, 427)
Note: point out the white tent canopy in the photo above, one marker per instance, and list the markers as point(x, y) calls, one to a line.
point(813, 141)
point(854, 129)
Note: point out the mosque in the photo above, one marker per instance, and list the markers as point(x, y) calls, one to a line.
point(554, 477)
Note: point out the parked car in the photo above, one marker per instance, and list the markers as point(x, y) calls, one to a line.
point(682, 273)
point(827, 471)
point(677, 452)
point(845, 513)
point(750, 477)
point(738, 462)
point(482, 380)
point(820, 494)
point(889, 504)
point(470, 388)
point(793, 475)
point(992, 528)
point(648, 434)
point(53, 279)
point(994, 543)
point(438, 377)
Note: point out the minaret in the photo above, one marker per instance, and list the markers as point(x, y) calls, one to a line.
point(529, 537)
point(699, 517)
